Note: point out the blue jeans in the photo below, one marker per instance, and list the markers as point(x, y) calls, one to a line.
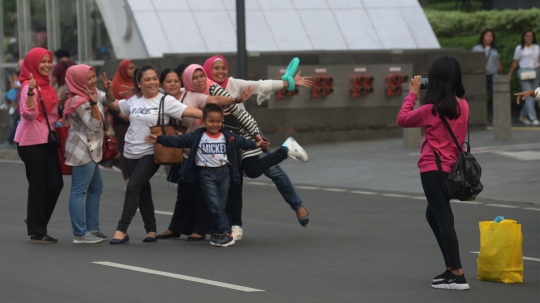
point(283, 183)
point(13, 119)
point(528, 108)
point(215, 187)
point(86, 180)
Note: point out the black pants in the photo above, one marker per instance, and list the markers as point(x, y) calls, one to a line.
point(254, 167)
point(45, 183)
point(120, 133)
point(440, 218)
point(191, 213)
point(139, 193)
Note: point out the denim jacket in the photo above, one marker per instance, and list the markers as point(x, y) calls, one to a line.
point(190, 171)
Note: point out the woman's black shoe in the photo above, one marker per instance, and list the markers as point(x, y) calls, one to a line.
point(39, 239)
point(119, 241)
point(304, 221)
point(196, 238)
point(149, 239)
point(169, 236)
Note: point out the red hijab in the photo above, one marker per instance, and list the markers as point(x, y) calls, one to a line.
point(76, 78)
point(47, 92)
point(121, 78)
point(209, 64)
point(188, 79)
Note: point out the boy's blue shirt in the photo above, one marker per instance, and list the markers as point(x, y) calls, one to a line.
point(190, 171)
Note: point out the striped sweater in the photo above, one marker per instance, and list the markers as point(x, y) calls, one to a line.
point(248, 127)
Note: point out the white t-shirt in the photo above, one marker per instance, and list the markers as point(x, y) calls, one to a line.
point(212, 151)
point(525, 56)
point(143, 113)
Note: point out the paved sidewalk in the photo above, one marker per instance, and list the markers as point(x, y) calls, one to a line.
point(511, 169)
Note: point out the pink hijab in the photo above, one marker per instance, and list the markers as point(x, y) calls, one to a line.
point(188, 79)
point(209, 64)
point(76, 77)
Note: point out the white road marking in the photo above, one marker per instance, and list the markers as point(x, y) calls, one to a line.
point(11, 161)
point(524, 258)
point(363, 192)
point(419, 198)
point(257, 183)
point(502, 205)
point(531, 208)
point(395, 195)
point(520, 155)
point(177, 276)
point(335, 189)
point(466, 202)
point(308, 187)
point(163, 212)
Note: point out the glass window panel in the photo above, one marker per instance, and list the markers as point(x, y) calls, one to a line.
point(100, 43)
point(68, 36)
point(38, 23)
point(10, 46)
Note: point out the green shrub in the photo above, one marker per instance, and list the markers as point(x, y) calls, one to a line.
point(455, 23)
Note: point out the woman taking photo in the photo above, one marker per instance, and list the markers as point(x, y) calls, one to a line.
point(142, 109)
point(486, 44)
point(123, 77)
point(217, 69)
point(84, 146)
point(444, 97)
point(40, 157)
point(527, 56)
point(191, 214)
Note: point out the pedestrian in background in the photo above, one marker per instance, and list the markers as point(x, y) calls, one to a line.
point(84, 146)
point(444, 97)
point(486, 44)
point(527, 56)
point(12, 97)
point(123, 77)
point(40, 157)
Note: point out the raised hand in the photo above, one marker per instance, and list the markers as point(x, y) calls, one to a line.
point(130, 91)
point(63, 99)
point(524, 95)
point(150, 139)
point(303, 81)
point(414, 87)
point(31, 83)
point(91, 94)
point(107, 84)
point(246, 94)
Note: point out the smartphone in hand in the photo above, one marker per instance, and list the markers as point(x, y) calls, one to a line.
point(424, 83)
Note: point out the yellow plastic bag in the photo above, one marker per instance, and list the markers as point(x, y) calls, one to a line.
point(500, 258)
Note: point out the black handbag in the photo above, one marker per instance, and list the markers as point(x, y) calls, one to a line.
point(463, 183)
point(53, 137)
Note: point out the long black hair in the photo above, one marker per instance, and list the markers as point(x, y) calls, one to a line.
point(138, 76)
point(444, 86)
point(167, 71)
point(523, 37)
point(180, 71)
point(481, 40)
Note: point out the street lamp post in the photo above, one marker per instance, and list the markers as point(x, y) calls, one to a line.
point(241, 38)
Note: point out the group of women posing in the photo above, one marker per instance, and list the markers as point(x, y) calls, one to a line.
point(84, 111)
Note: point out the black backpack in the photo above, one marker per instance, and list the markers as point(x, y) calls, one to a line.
point(463, 183)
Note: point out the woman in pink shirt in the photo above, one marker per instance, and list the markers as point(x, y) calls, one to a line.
point(444, 96)
point(40, 158)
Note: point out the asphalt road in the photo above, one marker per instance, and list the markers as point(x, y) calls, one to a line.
point(359, 248)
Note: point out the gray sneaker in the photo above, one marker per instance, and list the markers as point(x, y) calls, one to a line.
point(100, 235)
point(86, 239)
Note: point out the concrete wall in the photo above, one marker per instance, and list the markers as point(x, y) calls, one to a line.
point(314, 125)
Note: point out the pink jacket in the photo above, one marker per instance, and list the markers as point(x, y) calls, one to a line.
point(30, 131)
point(436, 135)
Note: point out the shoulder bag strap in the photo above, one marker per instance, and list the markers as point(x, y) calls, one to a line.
point(451, 132)
point(44, 110)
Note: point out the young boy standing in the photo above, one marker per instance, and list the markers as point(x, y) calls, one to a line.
point(213, 162)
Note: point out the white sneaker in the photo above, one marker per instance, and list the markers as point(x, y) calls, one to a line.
point(525, 121)
point(536, 122)
point(237, 232)
point(295, 150)
point(88, 238)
